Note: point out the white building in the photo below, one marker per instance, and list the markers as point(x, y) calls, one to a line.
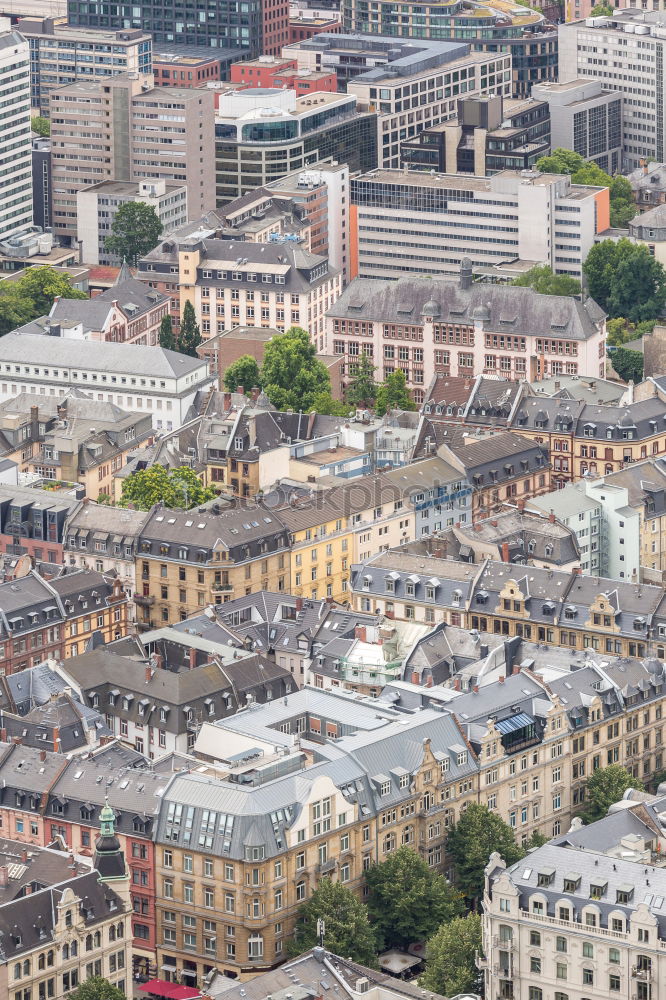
point(626, 53)
point(15, 135)
point(412, 222)
point(137, 378)
point(97, 205)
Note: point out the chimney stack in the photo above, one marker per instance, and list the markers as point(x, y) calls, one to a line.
point(505, 552)
point(415, 677)
point(551, 517)
point(456, 684)
point(149, 673)
point(240, 390)
point(475, 689)
point(360, 633)
point(501, 679)
point(193, 657)
point(4, 876)
point(42, 755)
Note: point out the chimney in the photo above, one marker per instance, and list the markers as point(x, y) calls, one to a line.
point(494, 524)
point(557, 383)
point(551, 517)
point(34, 420)
point(416, 679)
point(3, 735)
point(149, 672)
point(429, 681)
point(520, 504)
point(42, 755)
point(254, 393)
point(466, 276)
point(4, 876)
point(24, 854)
point(516, 668)
point(240, 390)
point(501, 679)
point(158, 660)
point(438, 552)
point(226, 401)
point(299, 604)
point(578, 571)
point(505, 552)
point(193, 657)
point(56, 739)
point(456, 684)
point(360, 633)
point(475, 689)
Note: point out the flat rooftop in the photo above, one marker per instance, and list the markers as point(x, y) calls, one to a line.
point(416, 178)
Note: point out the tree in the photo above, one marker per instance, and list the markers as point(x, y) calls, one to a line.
point(41, 285)
point(408, 900)
point(626, 280)
point(536, 840)
point(97, 988)
point(603, 788)
point(189, 337)
point(135, 231)
point(15, 310)
point(41, 125)
point(628, 364)
point(325, 404)
point(601, 10)
point(362, 388)
point(560, 161)
point(347, 931)
point(167, 338)
point(543, 279)
point(176, 489)
point(451, 957)
point(292, 375)
point(470, 843)
point(621, 213)
point(244, 371)
point(393, 394)
point(619, 330)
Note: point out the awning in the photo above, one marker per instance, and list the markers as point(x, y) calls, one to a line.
point(172, 991)
point(514, 723)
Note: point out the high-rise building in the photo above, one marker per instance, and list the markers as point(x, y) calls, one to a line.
point(585, 116)
point(15, 135)
point(406, 222)
point(626, 53)
point(61, 53)
point(116, 130)
point(393, 78)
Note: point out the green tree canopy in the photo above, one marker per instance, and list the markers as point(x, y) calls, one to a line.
point(560, 161)
point(244, 371)
point(189, 337)
point(470, 843)
point(626, 280)
point(602, 10)
point(450, 957)
point(166, 336)
point(603, 788)
point(347, 930)
point(43, 284)
point(543, 279)
point(41, 125)
point(176, 489)
point(362, 388)
point(324, 403)
point(135, 231)
point(292, 375)
point(393, 394)
point(408, 900)
point(97, 988)
point(628, 364)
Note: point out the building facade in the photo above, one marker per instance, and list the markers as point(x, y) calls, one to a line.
point(16, 142)
point(585, 117)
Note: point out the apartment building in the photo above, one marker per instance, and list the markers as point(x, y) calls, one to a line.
point(233, 283)
point(128, 133)
point(50, 618)
point(560, 608)
point(629, 46)
point(62, 53)
point(187, 67)
point(277, 71)
point(98, 204)
point(410, 86)
point(262, 134)
point(145, 379)
point(583, 915)
point(62, 921)
point(585, 116)
point(584, 515)
point(228, 896)
point(16, 142)
point(188, 559)
point(465, 328)
point(415, 222)
point(32, 522)
point(47, 800)
point(487, 134)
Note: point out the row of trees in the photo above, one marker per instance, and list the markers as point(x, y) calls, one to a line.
point(189, 336)
point(565, 161)
point(294, 378)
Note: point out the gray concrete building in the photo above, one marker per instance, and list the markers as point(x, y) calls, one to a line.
point(587, 117)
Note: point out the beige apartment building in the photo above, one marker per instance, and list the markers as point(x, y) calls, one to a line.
point(115, 129)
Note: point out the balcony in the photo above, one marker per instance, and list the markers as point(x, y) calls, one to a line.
point(327, 866)
point(638, 973)
point(222, 588)
point(145, 600)
point(504, 945)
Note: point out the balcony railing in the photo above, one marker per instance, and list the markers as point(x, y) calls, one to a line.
point(146, 600)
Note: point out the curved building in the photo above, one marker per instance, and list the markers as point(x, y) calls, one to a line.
point(494, 26)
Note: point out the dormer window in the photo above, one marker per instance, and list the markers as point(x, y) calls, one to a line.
point(545, 877)
point(571, 882)
point(598, 889)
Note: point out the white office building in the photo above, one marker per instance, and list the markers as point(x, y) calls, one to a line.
point(15, 133)
point(626, 53)
point(137, 378)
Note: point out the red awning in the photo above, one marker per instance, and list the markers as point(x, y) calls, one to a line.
point(171, 991)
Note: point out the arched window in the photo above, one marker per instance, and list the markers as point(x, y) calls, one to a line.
point(89, 942)
point(17, 971)
point(65, 952)
point(73, 949)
